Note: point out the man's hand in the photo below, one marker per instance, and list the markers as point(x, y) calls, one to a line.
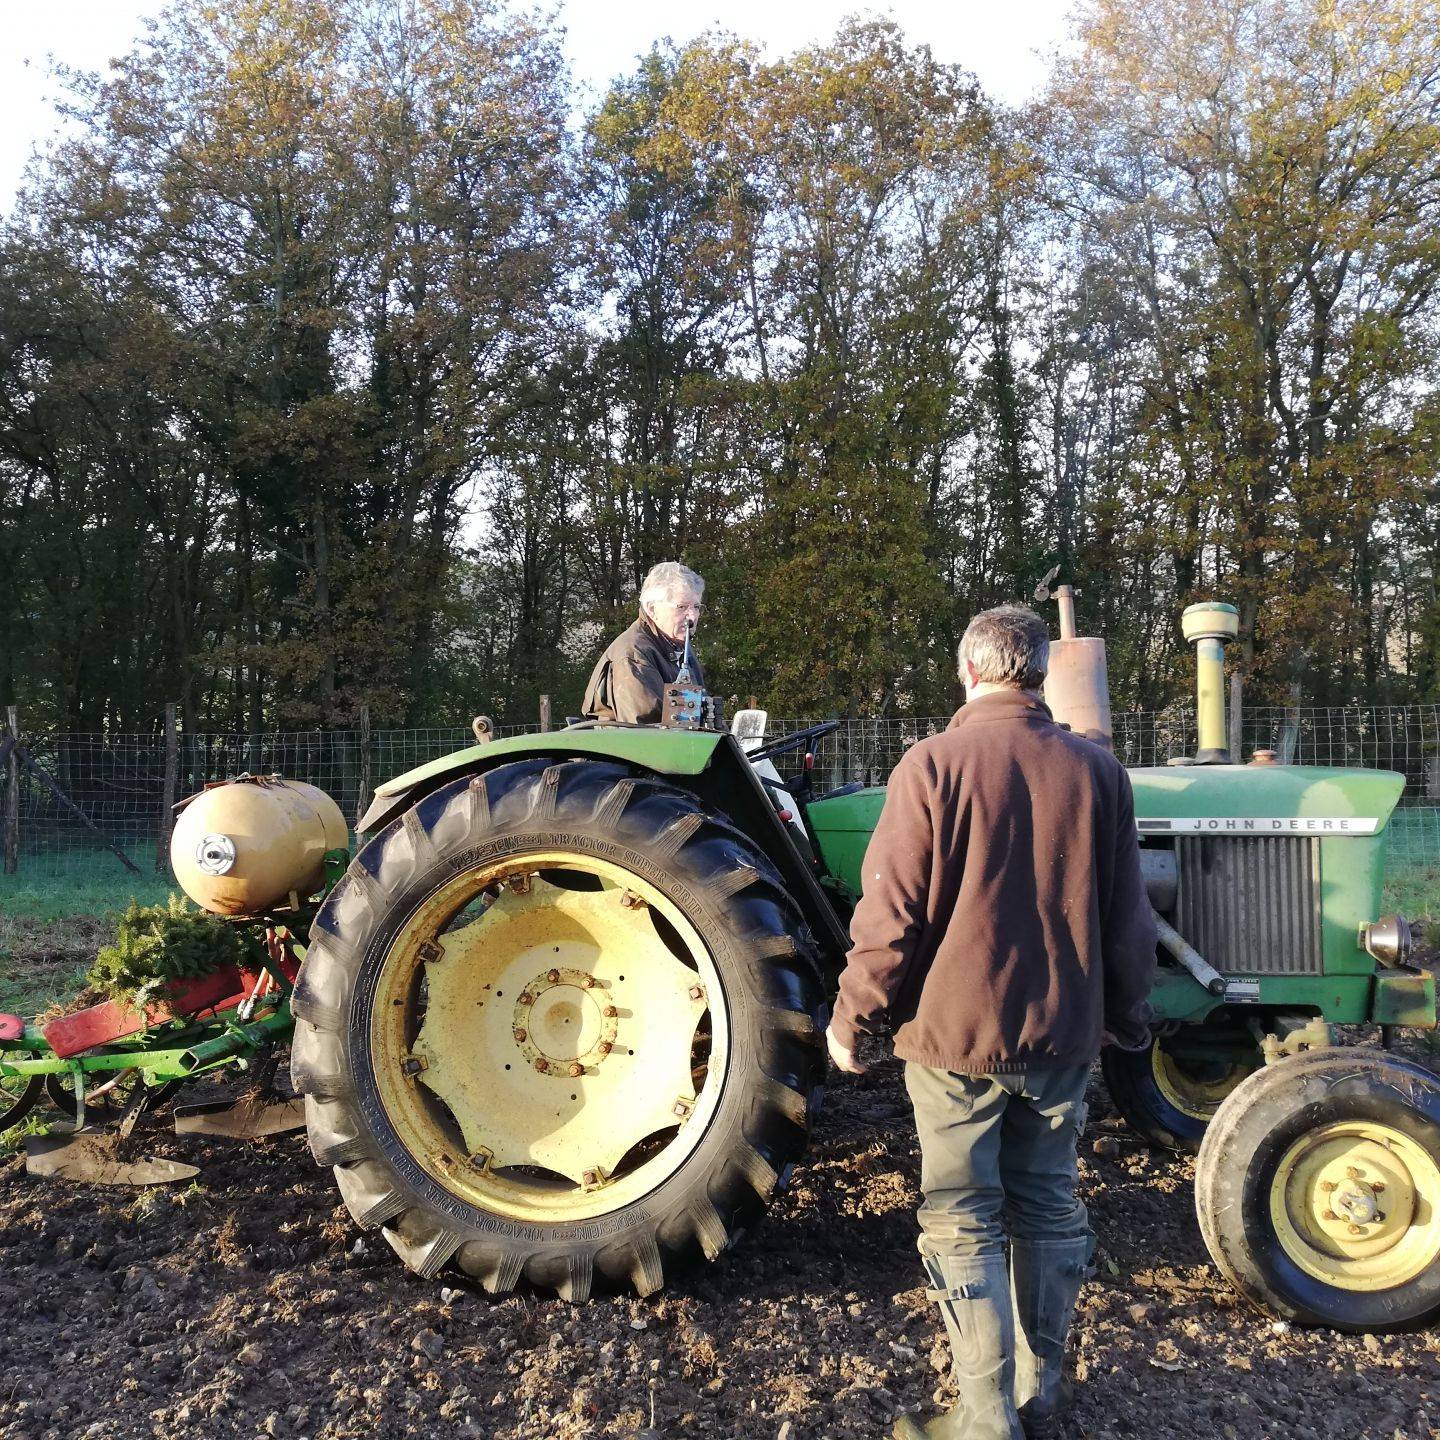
point(841, 1056)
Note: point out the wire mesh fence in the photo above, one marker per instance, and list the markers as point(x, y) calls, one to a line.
point(102, 795)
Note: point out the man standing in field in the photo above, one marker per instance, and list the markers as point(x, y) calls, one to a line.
point(1004, 934)
point(629, 680)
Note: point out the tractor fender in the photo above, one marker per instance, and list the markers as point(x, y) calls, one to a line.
point(709, 763)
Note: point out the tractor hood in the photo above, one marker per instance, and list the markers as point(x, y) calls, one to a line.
point(1176, 800)
point(1264, 800)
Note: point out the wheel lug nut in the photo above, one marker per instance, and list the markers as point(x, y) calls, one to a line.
point(610, 1012)
point(520, 1036)
point(589, 982)
point(1356, 1229)
point(542, 1067)
point(553, 976)
point(577, 1069)
point(604, 1047)
point(696, 993)
point(1352, 1172)
point(1377, 1186)
point(526, 998)
point(1329, 1215)
point(1328, 1185)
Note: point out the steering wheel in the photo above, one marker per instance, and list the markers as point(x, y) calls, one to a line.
point(786, 743)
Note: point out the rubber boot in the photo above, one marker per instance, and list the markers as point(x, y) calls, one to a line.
point(1046, 1276)
point(974, 1299)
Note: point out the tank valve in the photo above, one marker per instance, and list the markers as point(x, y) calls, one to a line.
point(215, 855)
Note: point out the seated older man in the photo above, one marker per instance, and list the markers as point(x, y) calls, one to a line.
point(628, 684)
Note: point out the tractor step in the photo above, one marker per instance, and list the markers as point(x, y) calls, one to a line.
point(97, 1159)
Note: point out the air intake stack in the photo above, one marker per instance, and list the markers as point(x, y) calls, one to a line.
point(1208, 626)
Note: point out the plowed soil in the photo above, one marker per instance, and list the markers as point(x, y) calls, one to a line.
point(248, 1304)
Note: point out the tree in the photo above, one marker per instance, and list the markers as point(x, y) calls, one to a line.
point(1266, 169)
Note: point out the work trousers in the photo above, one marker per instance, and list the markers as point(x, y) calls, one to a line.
point(997, 1148)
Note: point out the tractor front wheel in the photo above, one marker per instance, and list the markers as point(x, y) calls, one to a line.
point(559, 1019)
point(1318, 1190)
point(1169, 1092)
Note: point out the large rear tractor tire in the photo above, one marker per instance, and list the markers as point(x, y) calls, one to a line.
point(1318, 1190)
point(559, 1019)
point(1169, 1098)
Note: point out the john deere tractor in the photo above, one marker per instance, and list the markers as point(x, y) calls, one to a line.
point(562, 1018)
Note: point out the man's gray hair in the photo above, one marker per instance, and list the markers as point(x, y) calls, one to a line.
point(1008, 646)
point(669, 578)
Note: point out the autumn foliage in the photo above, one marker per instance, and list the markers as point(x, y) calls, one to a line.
point(342, 364)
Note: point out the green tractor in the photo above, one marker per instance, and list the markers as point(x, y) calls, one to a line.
point(565, 1014)
point(562, 1019)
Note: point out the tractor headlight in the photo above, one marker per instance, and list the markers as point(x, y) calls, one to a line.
point(1388, 939)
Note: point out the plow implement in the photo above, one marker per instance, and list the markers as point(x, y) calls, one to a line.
point(103, 1067)
point(257, 854)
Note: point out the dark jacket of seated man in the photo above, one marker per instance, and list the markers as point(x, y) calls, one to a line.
point(629, 681)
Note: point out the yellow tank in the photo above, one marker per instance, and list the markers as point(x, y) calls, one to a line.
point(241, 847)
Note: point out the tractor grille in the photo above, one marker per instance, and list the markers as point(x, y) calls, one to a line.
point(1251, 905)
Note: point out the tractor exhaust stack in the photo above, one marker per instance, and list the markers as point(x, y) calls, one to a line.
point(1208, 626)
point(1077, 689)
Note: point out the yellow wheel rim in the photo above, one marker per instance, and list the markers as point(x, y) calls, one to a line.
point(1357, 1205)
point(548, 1052)
point(1195, 1089)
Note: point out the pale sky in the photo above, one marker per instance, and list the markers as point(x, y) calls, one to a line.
point(1003, 43)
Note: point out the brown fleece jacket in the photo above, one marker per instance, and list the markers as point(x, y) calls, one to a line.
point(1004, 923)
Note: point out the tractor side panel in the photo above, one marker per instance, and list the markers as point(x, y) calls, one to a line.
point(843, 827)
point(1284, 864)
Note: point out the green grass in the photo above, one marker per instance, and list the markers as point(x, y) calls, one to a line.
point(52, 923)
point(1414, 890)
point(89, 888)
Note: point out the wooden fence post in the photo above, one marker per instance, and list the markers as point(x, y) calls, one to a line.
point(167, 801)
point(544, 712)
point(362, 803)
point(12, 794)
point(1235, 717)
